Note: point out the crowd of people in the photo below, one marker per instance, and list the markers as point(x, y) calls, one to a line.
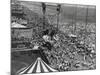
point(67, 52)
point(64, 52)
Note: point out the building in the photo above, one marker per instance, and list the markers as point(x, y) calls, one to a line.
point(20, 35)
point(19, 31)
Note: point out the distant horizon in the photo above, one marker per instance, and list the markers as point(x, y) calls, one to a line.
point(67, 11)
point(82, 2)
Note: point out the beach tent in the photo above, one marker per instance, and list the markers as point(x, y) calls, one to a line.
point(39, 66)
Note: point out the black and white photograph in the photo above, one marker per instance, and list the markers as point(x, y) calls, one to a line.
point(52, 37)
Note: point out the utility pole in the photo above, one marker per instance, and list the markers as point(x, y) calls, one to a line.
point(43, 10)
point(75, 19)
point(58, 12)
point(86, 18)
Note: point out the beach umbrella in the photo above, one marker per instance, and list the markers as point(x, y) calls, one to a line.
point(39, 66)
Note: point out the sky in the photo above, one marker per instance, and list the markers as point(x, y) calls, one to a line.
point(85, 2)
